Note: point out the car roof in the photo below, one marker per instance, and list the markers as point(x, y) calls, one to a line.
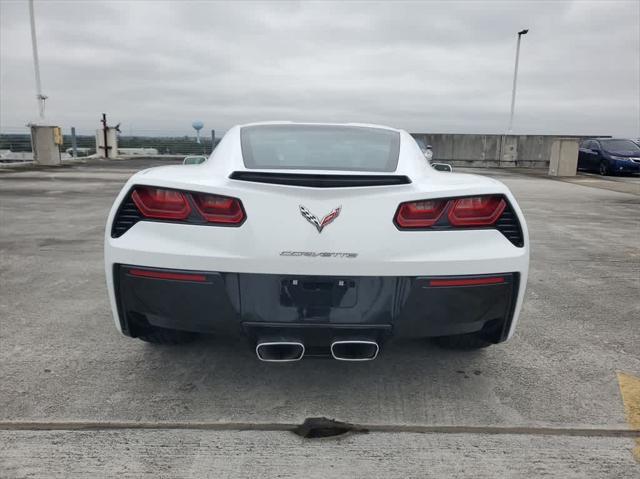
point(600, 138)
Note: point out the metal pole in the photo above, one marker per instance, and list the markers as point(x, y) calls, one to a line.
point(515, 79)
point(36, 62)
point(104, 135)
point(213, 140)
point(74, 144)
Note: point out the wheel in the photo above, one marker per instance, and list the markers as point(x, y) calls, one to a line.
point(604, 168)
point(464, 342)
point(152, 334)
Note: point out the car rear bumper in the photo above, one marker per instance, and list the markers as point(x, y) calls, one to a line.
point(314, 309)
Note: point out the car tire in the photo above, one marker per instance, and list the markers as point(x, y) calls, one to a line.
point(464, 342)
point(165, 336)
point(603, 169)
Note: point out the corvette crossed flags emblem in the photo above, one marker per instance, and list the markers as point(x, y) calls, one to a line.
point(315, 221)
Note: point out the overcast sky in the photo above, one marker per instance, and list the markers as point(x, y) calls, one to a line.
point(424, 66)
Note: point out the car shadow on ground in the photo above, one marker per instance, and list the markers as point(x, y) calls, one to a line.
point(412, 381)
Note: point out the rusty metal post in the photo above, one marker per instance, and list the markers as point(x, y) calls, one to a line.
point(104, 135)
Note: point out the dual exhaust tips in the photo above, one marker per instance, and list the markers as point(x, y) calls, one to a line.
point(347, 350)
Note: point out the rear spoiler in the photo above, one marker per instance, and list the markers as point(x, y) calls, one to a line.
point(320, 180)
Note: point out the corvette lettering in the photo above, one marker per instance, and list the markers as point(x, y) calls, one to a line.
point(314, 254)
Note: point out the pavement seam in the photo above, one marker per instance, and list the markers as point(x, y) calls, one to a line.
point(380, 428)
point(616, 186)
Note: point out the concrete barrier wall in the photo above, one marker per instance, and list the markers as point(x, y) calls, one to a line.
point(529, 151)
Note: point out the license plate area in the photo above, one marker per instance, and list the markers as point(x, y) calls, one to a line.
point(318, 292)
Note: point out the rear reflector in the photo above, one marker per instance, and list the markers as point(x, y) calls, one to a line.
point(161, 203)
point(420, 214)
point(146, 273)
point(219, 209)
point(467, 281)
point(476, 210)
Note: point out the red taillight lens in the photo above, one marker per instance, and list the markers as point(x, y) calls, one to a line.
point(161, 203)
point(219, 209)
point(420, 214)
point(476, 210)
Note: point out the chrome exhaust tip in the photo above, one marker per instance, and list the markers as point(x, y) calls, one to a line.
point(354, 350)
point(280, 351)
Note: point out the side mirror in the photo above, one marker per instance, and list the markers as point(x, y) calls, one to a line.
point(442, 167)
point(194, 160)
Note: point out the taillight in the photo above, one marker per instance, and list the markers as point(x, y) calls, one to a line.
point(420, 214)
point(476, 210)
point(451, 212)
point(166, 204)
point(219, 209)
point(161, 203)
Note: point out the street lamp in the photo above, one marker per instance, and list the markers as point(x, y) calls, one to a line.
point(515, 78)
point(36, 63)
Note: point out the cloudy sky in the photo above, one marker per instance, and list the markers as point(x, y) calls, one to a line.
point(426, 66)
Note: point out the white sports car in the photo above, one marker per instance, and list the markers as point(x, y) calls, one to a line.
point(316, 240)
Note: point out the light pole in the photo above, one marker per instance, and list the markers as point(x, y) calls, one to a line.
point(515, 79)
point(36, 63)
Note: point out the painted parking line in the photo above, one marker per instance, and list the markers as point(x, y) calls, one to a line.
point(630, 391)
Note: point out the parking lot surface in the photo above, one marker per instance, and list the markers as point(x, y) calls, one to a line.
point(79, 399)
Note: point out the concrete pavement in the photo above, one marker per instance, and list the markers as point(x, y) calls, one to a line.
point(61, 359)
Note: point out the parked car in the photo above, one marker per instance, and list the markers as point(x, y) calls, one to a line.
point(609, 156)
point(316, 239)
point(80, 151)
point(427, 151)
point(194, 160)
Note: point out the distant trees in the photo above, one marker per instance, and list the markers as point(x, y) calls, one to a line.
point(179, 145)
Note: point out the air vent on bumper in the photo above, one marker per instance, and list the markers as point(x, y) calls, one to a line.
point(509, 226)
point(128, 215)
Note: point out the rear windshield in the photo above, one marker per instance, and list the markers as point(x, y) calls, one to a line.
point(319, 147)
